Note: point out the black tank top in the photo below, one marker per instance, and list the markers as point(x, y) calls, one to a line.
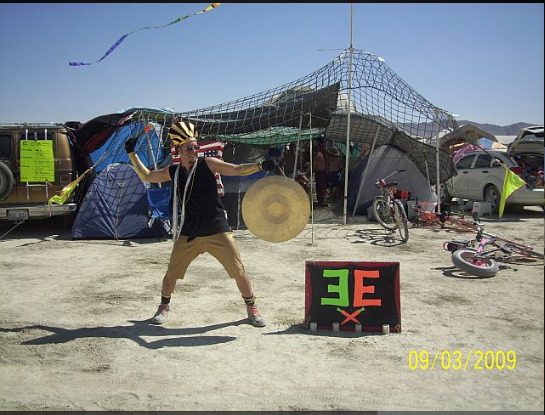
point(204, 211)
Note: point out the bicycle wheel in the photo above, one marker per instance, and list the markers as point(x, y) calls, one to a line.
point(469, 261)
point(400, 218)
point(383, 213)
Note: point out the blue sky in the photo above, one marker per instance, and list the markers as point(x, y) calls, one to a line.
point(483, 62)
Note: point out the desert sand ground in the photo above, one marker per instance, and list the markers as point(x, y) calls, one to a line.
point(75, 332)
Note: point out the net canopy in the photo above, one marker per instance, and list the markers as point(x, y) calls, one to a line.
point(355, 98)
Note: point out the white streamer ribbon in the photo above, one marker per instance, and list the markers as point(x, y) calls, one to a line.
point(178, 224)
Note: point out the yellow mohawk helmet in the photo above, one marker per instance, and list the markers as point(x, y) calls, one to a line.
point(182, 132)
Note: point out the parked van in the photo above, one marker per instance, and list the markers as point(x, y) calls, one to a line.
point(36, 163)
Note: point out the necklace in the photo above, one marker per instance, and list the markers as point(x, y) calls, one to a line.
point(189, 181)
point(177, 225)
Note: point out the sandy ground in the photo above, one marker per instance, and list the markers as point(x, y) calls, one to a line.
point(75, 332)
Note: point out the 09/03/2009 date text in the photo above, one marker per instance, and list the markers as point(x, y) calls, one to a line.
point(459, 360)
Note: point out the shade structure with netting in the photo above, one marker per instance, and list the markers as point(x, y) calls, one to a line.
point(355, 99)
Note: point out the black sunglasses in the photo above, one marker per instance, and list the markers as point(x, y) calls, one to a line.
point(196, 148)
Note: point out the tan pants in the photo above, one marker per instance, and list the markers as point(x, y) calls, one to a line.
point(221, 246)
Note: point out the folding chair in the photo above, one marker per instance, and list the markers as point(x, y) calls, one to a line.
point(159, 205)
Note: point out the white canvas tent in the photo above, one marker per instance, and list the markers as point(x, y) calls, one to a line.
point(382, 162)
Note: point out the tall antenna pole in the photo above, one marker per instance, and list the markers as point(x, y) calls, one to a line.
point(347, 158)
point(437, 163)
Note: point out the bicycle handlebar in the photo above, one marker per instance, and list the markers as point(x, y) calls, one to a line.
point(382, 182)
point(394, 172)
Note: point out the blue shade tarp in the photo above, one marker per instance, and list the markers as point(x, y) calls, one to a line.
point(100, 141)
point(488, 144)
point(148, 147)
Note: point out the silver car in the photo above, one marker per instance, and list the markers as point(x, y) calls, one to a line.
point(481, 175)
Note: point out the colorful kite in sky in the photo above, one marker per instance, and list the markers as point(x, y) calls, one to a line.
point(116, 44)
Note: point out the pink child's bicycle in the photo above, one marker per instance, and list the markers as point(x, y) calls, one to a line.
point(481, 256)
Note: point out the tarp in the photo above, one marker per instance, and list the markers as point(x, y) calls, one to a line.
point(482, 144)
point(274, 135)
point(470, 132)
point(148, 147)
point(283, 109)
point(488, 144)
point(382, 162)
point(115, 207)
point(99, 142)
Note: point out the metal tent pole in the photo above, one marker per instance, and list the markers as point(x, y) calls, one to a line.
point(347, 150)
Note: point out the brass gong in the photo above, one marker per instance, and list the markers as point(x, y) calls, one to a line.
point(276, 208)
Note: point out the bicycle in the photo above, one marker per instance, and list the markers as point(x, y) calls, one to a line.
point(423, 217)
point(481, 255)
point(388, 210)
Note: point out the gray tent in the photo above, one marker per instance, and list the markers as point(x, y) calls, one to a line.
point(382, 162)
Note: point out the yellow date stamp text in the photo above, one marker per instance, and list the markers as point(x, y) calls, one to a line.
point(462, 360)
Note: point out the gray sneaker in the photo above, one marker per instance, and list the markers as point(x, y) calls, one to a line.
point(255, 317)
point(161, 315)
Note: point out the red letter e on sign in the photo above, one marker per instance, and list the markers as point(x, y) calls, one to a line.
point(360, 289)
